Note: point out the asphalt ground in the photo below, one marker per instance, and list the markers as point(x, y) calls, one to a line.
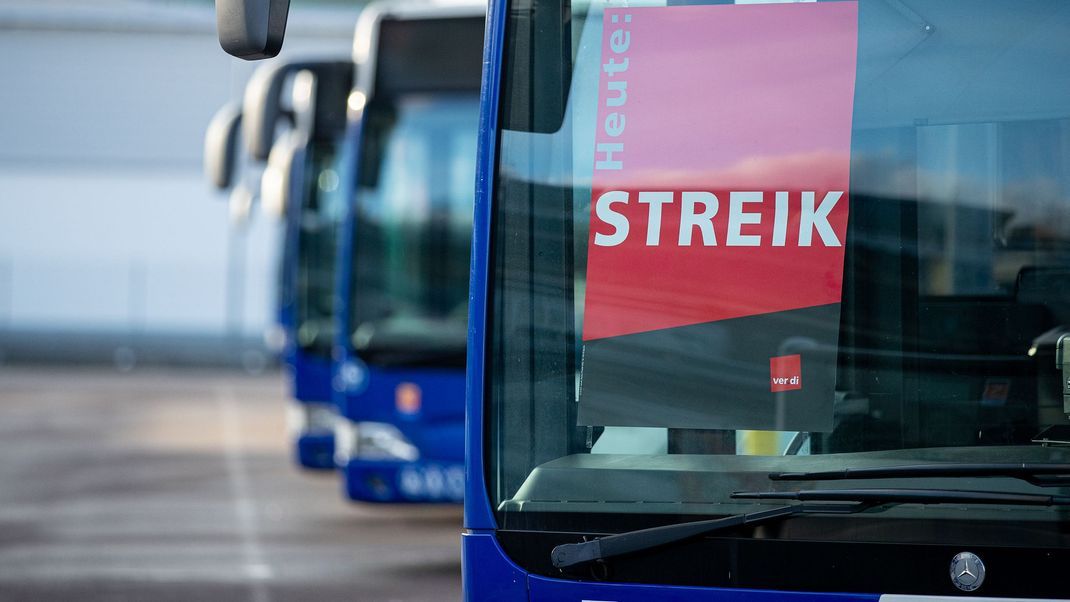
point(178, 485)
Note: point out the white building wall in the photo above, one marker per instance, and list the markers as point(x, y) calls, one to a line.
point(107, 223)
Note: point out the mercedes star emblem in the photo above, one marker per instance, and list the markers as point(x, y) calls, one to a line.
point(967, 571)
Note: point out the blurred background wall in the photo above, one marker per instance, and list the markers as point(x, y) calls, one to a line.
point(113, 247)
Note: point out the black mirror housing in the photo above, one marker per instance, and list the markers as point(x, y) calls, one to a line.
point(251, 29)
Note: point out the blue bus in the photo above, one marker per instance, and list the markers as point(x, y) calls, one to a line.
point(399, 354)
point(300, 139)
point(305, 173)
point(769, 302)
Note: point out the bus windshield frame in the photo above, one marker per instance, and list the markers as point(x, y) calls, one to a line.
point(951, 268)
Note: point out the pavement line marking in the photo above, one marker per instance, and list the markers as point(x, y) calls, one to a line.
point(256, 568)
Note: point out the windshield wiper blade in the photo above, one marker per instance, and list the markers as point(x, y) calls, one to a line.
point(569, 554)
point(908, 496)
point(829, 501)
point(1042, 475)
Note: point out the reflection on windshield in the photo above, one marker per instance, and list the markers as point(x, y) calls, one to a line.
point(321, 213)
point(413, 230)
point(939, 343)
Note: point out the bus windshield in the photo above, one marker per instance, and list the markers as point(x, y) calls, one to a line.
point(413, 230)
point(730, 239)
point(321, 212)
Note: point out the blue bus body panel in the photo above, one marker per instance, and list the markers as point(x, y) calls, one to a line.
point(419, 482)
point(442, 400)
point(310, 382)
point(489, 575)
point(311, 377)
point(486, 573)
point(436, 429)
point(477, 508)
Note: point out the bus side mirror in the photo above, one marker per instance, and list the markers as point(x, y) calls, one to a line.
point(221, 146)
point(262, 104)
point(262, 108)
point(251, 29)
point(282, 174)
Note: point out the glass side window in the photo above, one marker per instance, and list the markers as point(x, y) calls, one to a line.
point(412, 234)
point(725, 244)
point(321, 212)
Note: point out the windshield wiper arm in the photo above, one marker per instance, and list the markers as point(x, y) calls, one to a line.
point(908, 496)
point(1042, 475)
point(569, 554)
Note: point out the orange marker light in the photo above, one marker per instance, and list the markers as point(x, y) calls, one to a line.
point(408, 398)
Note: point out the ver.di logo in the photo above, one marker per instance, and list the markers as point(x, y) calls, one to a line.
point(785, 373)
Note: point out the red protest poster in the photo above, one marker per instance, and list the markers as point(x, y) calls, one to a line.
point(719, 210)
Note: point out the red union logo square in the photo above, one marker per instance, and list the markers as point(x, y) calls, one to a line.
point(785, 373)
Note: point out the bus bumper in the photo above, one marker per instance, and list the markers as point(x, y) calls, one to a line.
point(315, 451)
point(418, 482)
point(311, 427)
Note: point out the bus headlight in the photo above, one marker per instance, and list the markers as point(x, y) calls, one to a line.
point(371, 441)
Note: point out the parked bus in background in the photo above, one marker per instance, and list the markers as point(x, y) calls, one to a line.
point(770, 301)
point(306, 171)
point(300, 141)
point(399, 372)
